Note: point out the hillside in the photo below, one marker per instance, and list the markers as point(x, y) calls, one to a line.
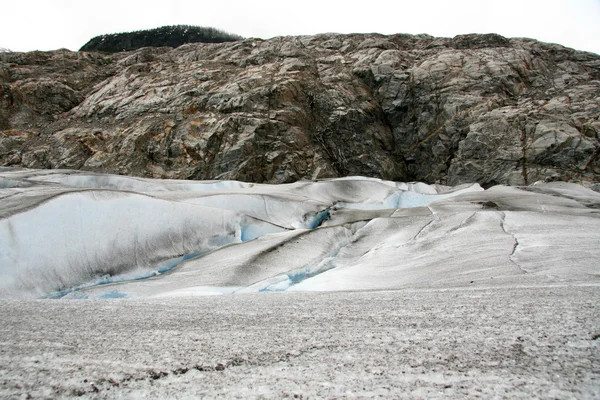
point(473, 108)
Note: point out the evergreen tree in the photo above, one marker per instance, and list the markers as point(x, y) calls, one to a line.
point(170, 36)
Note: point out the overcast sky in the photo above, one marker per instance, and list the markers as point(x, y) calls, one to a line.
point(51, 24)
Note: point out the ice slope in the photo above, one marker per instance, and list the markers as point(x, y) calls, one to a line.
point(525, 239)
point(79, 235)
point(98, 236)
point(129, 183)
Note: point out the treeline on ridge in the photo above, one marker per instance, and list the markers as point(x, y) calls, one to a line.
point(169, 36)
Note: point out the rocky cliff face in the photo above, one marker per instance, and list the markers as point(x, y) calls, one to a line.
point(474, 108)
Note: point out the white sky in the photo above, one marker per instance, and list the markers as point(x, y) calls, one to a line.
point(51, 24)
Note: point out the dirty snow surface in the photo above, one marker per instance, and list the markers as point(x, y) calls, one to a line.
point(120, 287)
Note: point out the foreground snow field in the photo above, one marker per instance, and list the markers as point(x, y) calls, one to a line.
point(390, 289)
point(540, 342)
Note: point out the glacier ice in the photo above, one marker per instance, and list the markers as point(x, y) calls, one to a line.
point(79, 235)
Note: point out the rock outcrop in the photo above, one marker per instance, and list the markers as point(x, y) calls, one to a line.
point(473, 108)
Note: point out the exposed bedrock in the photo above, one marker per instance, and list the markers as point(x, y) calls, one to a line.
point(474, 108)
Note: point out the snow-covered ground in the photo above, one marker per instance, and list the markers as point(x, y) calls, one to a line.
point(377, 278)
point(537, 342)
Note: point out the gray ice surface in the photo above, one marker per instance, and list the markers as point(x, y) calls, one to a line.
point(503, 342)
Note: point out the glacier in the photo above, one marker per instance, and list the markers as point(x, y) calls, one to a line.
point(73, 234)
point(123, 287)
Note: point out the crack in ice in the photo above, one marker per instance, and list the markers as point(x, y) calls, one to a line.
point(515, 244)
point(163, 268)
point(291, 278)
